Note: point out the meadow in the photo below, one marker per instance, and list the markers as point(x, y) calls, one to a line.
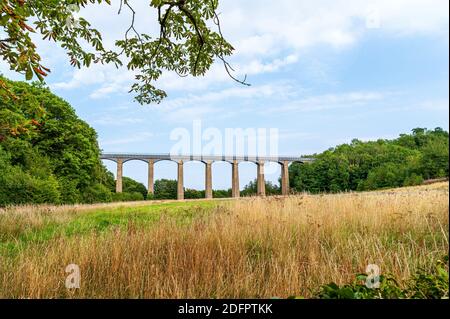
point(248, 248)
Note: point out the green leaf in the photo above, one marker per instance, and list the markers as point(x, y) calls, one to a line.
point(346, 293)
point(29, 73)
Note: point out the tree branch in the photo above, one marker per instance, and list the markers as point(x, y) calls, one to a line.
point(227, 65)
point(131, 28)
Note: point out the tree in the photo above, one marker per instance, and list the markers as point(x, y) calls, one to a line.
point(434, 161)
point(222, 193)
point(407, 160)
point(384, 176)
point(131, 186)
point(193, 194)
point(19, 115)
point(251, 189)
point(165, 189)
point(186, 43)
point(49, 155)
point(30, 182)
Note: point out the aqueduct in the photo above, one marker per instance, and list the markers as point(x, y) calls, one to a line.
point(151, 159)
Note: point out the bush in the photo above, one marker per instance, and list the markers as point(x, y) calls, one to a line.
point(97, 193)
point(193, 194)
point(19, 187)
point(131, 186)
point(44, 139)
point(413, 180)
point(424, 284)
point(69, 192)
point(375, 164)
point(430, 285)
point(126, 197)
point(221, 193)
point(165, 189)
point(385, 176)
point(251, 189)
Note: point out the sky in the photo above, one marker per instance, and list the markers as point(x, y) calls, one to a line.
point(321, 73)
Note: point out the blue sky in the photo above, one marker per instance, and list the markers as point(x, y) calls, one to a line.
point(322, 73)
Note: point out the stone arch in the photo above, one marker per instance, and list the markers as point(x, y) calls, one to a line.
point(220, 165)
point(248, 172)
point(274, 168)
point(156, 166)
point(192, 163)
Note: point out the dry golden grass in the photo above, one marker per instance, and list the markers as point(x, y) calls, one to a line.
point(272, 247)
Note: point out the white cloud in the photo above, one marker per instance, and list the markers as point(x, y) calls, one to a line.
point(190, 113)
point(267, 35)
point(435, 105)
point(296, 135)
point(137, 137)
point(329, 101)
point(116, 121)
point(405, 104)
point(106, 79)
point(253, 92)
point(219, 104)
point(257, 67)
point(255, 45)
point(268, 26)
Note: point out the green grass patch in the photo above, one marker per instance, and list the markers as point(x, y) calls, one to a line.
point(104, 219)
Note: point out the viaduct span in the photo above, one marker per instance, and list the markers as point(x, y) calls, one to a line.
point(151, 159)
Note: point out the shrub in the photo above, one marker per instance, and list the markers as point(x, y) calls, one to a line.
point(386, 175)
point(221, 193)
point(424, 284)
point(96, 193)
point(430, 285)
point(69, 192)
point(165, 189)
point(193, 194)
point(132, 186)
point(19, 187)
point(126, 197)
point(413, 180)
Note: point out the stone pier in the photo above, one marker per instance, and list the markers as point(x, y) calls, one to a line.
point(261, 183)
point(208, 179)
point(285, 178)
point(180, 184)
point(151, 177)
point(151, 159)
point(119, 175)
point(235, 192)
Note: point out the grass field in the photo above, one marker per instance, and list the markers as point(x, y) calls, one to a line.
point(257, 247)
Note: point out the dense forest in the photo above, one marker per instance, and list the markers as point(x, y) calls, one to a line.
point(407, 160)
point(49, 155)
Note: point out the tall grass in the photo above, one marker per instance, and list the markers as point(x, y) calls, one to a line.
point(261, 247)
